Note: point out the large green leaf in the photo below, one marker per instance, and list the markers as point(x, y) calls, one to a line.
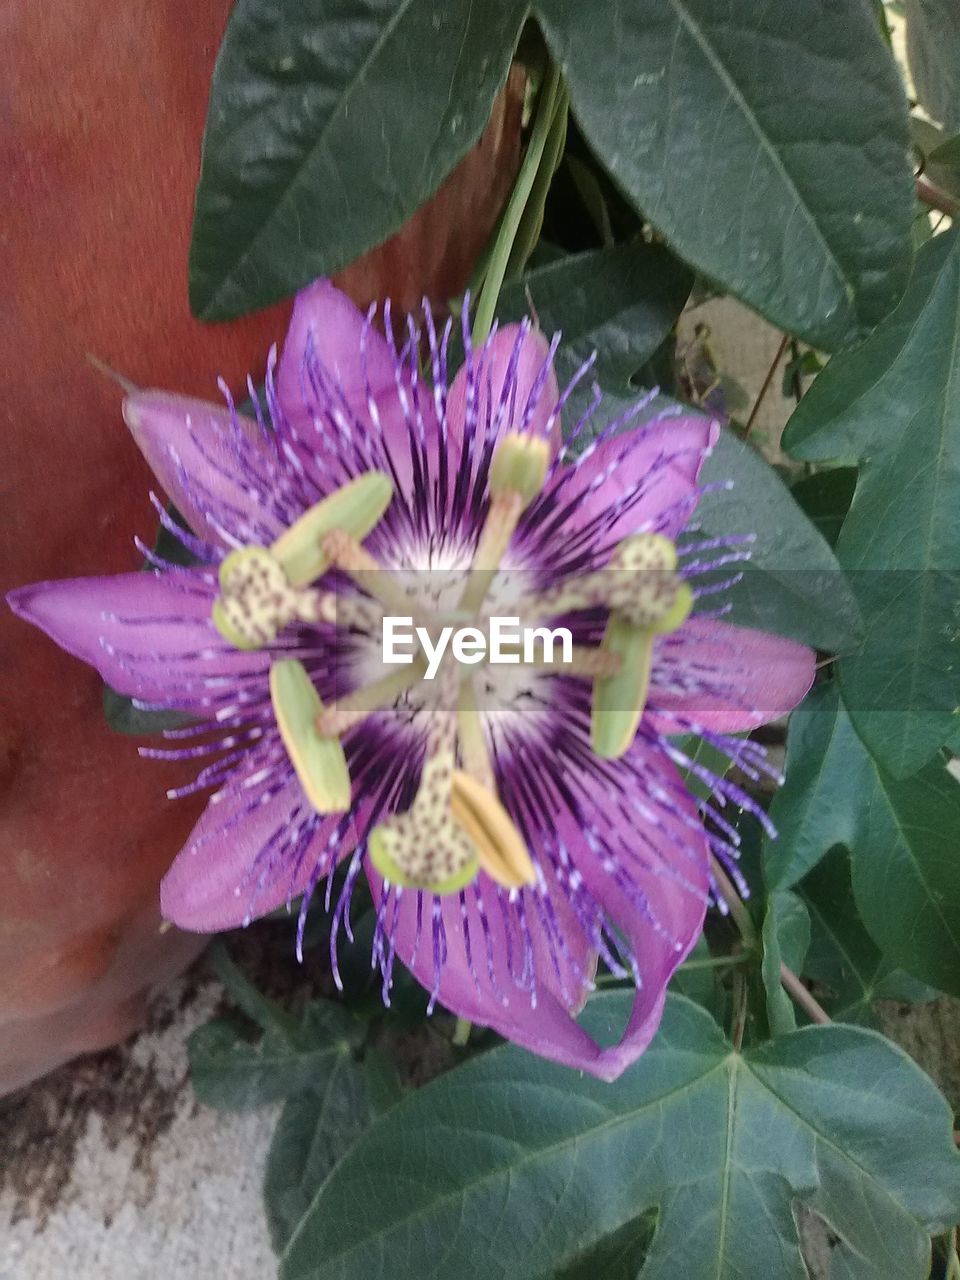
point(933, 51)
point(316, 1128)
point(825, 499)
point(894, 403)
point(767, 143)
point(514, 1167)
point(620, 302)
point(902, 835)
point(792, 584)
point(234, 1073)
point(845, 962)
point(330, 121)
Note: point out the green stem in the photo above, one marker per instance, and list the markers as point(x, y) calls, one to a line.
point(253, 1003)
point(513, 214)
point(688, 966)
point(531, 221)
point(738, 912)
point(461, 1032)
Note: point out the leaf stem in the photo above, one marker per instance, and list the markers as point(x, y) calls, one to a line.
point(461, 1032)
point(953, 1262)
point(738, 911)
point(688, 966)
point(251, 1001)
point(928, 194)
point(513, 214)
point(801, 996)
point(761, 394)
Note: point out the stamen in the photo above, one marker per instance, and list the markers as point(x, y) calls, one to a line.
point(639, 582)
point(262, 591)
point(517, 474)
point(586, 662)
point(334, 721)
point(318, 761)
point(345, 552)
point(473, 743)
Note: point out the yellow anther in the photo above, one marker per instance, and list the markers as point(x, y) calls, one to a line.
point(519, 465)
point(500, 848)
point(618, 700)
point(355, 508)
point(318, 761)
point(389, 851)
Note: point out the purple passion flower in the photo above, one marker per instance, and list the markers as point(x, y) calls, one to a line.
point(515, 822)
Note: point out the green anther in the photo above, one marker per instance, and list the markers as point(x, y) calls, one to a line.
point(319, 762)
point(385, 845)
point(618, 701)
point(355, 508)
point(519, 465)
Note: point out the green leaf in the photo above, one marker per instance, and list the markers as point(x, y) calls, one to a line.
point(843, 959)
point(232, 1073)
point(825, 499)
point(123, 716)
point(894, 403)
point(933, 52)
point(906, 875)
point(697, 979)
point(511, 1166)
point(805, 811)
point(621, 302)
point(803, 210)
point(315, 1130)
point(329, 124)
point(618, 1256)
point(947, 153)
point(792, 584)
point(786, 937)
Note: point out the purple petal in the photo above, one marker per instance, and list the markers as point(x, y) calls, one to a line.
point(507, 385)
point(643, 480)
point(251, 851)
point(214, 466)
point(669, 876)
point(149, 635)
point(725, 678)
point(327, 325)
point(337, 367)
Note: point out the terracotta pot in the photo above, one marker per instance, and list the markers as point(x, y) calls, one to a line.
point(100, 142)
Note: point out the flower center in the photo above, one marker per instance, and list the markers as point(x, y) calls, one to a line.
point(456, 825)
